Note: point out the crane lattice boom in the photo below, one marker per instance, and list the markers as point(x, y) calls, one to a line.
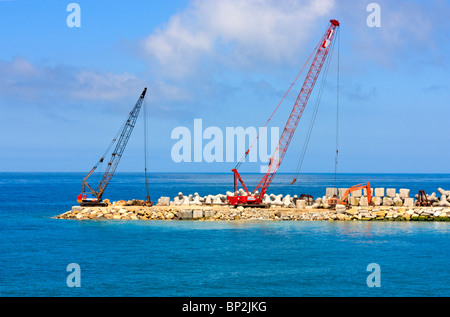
point(293, 120)
point(115, 156)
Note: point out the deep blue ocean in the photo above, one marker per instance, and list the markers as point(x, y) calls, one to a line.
point(205, 258)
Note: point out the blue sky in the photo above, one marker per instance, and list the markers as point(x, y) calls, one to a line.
point(64, 92)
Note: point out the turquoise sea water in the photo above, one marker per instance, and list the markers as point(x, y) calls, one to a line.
point(197, 258)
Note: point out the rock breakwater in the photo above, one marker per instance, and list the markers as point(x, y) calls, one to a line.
point(226, 213)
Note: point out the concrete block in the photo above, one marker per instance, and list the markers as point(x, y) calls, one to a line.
point(390, 192)
point(365, 192)
point(387, 201)
point(379, 192)
point(164, 201)
point(377, 201)
point(340, 209)
point(330, 192)
point(363, 202)
point(341, 192)
point(354, 201)
point(409, 202)
point(186, 214)
point(300, 203)
point(404, 193)
point(356, 193)
point(443, 202)
point(209, 213)
point(398, 201)
point(197, 214)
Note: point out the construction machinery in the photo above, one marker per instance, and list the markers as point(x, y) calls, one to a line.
point(91, 196)
point(320, 56)
point(332, 202)
point(422, 199)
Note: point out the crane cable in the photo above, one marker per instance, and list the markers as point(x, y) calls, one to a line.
point(147, 198)
point(273, 113)
point(337, 111)
point(316, 108)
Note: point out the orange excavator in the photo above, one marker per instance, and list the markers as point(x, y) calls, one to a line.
point(344, 201)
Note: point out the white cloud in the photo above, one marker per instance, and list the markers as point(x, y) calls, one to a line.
point(239, 34)
point(19, 78)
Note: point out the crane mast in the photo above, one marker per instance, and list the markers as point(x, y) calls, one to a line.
point(293, 120)
point(114, 160)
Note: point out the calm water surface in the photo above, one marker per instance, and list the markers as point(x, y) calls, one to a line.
point(197, 258)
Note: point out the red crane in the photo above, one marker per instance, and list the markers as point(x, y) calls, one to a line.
point(296, 113)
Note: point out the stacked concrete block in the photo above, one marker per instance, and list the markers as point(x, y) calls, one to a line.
point(390, 192)
point(379, 192)
point(365, 192)
point(363, 202)
point(163, 201)
point(377, 200)
point(356, 193)
point(404, 193)
point(387, 201)
point(330, 192)
point(300, 203)
point(354, 201)
point(197, 214)
point(408, 202)
point(341, 192)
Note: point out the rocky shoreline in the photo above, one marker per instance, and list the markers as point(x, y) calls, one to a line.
point(118, 211)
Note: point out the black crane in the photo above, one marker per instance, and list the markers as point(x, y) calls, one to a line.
point(93, 197)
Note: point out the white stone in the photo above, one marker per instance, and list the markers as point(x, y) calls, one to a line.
point(443, 202)
point(330, 192)
point(341, 192)
point(196, 200)
point(408, 202)
point(363, 202)
point(387, 201)
point(164, 201)
point(377, 201)
point(379, 192)
point(217, 200)
point(356, 193)
point(185, 200)
point(277, 201)
point(404, 193)
point(354, 201)
point(340, 208)
point(365, 192)
point(287, 201)
point(398, 201)
point(444, 192)
point(300, 203)
point(390, 192)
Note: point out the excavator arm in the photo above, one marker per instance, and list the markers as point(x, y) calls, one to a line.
point(344, 200)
